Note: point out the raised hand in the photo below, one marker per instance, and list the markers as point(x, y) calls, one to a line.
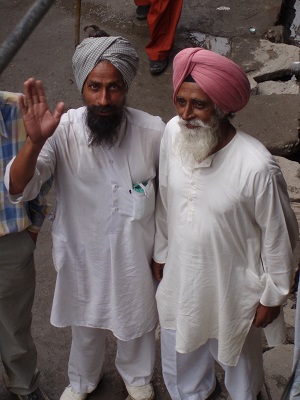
point(39, 122)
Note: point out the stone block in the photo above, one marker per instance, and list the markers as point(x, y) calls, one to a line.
point(274, 120)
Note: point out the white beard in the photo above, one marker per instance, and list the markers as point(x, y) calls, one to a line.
point(195, 145)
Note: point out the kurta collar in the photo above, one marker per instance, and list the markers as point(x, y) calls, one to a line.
point(209, 160)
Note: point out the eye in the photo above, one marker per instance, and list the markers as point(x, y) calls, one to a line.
point(201, 105)
point(116, 87)
point(93, 86)
point(180, 102)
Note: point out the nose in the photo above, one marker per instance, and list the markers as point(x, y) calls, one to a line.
point(103, 98)
point(188, 112)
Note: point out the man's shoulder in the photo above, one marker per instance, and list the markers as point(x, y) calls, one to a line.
point(73, 115)
point(173, 122)
point(9, 97)
point(71, 124)
point(254, 153)
point(144, 120)
point(249, 143)
point(172, 129)
point(12, 126)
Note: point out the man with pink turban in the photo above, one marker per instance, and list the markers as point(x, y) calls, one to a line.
point(225, 236)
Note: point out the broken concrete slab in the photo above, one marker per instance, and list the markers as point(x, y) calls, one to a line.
point(289, 316)
point(262, 59)
point(277, 87)
point(275, 59)
point(274, 120)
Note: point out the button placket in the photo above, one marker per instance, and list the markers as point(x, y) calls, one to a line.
point(191, 198)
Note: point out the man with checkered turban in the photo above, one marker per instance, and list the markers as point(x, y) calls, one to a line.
point(104, 159)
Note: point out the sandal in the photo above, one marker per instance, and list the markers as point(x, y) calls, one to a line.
point(142, 12)
point(158, 66)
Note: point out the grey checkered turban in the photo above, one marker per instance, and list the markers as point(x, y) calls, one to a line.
point(115, 49)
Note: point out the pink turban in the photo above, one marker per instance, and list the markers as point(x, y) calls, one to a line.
point(220, 78)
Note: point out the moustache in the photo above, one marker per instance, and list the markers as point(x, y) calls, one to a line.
point(102, 109)
point(194, 122)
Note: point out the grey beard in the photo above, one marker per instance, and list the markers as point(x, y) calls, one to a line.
point(195, 145)
point(103, 130)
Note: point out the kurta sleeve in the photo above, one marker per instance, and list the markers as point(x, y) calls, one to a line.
point(278, 239)
point(161, 236)
point(43, 173)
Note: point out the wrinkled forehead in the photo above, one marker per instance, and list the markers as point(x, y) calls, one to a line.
point(191, 90)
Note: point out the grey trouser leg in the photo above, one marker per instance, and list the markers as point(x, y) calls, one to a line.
point(17, 286)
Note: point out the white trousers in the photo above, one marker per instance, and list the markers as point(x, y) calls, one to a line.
point(191, 376)
point(134, 359)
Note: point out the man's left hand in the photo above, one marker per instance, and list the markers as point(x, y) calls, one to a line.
point(265, 315)
point(157, 270)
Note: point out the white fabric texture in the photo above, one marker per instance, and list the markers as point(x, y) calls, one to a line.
point(103, 232)
point(134, 360)
point(226, 231)
point(191, 376)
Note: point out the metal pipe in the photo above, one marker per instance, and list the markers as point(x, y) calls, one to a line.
point(21, 32)
point(77, 22)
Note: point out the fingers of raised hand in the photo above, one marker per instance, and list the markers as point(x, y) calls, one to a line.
point(58, 111)
point(34, 93)
point(40, 92)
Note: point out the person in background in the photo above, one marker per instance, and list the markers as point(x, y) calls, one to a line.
point(19, 227)
point(104, 160)
point(162, 18)
point(225, 236)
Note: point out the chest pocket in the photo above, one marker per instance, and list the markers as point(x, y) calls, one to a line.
point(143, 197)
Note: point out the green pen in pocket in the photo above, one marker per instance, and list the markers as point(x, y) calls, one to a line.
point(139, 187)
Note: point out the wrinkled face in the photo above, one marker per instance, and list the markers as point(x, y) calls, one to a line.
point(199, 124)
point(104, 93)
point(192, 103)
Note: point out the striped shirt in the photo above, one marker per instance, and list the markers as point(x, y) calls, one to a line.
point(16, 217)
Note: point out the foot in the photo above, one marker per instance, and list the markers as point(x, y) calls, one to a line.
point(36, 395)
point(142, 12)
point(158, 66)
point(70, 394)
point(140, 392)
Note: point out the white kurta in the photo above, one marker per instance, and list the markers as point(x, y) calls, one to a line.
point(103, 232)
point(226, 231)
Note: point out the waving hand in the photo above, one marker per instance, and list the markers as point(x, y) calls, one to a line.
point(39, 122)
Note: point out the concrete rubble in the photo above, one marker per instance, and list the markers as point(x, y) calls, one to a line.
point(252, 34)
